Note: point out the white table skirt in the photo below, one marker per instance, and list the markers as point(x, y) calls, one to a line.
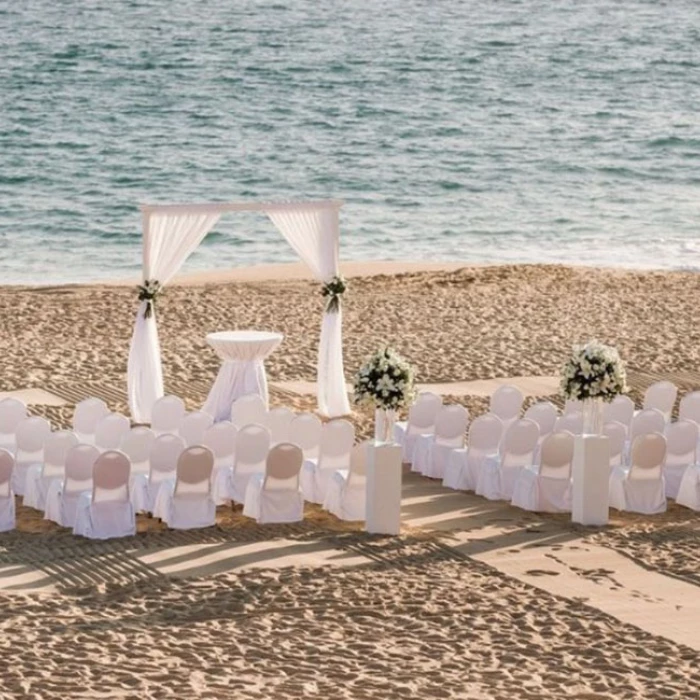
point(242, 372)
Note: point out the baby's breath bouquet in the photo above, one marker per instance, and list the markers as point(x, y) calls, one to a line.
point(385, 381)
point(594, 371)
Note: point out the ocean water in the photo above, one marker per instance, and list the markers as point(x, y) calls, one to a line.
point(499, 131)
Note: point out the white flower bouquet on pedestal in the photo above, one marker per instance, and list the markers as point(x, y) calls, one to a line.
point(386, 383)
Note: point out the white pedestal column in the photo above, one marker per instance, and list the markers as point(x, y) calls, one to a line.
point(383, 511)
point(591, 480)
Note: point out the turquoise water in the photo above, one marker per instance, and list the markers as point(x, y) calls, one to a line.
point(492, 131)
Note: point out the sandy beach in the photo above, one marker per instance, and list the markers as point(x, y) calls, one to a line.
point(412, 617)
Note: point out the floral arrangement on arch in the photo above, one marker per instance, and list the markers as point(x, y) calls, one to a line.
point(594, 371)
point(333, 290)
point(385, 381)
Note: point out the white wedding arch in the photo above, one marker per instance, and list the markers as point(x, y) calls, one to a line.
point(171, 233)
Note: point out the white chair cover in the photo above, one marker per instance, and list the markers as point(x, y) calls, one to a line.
point(617, 437)
point(252, 446)
point(421, 421)
point(278, 421)
point(640, 488)
point(681, 453)
point(31, 436)
point(547, 488)
point(545, 414)
point(619, 410)
point(276, 497)
point(193, 427)
point(221, 440)
point(306, 429)
point(185, 502)
point(249, 409)
point(337, 439)
point(464, 465)
point(137, 445)
point(164, 454)
point(12, 413)
point(499, 472)
point(110, 432)
point(39, 476)
point(107, 511)
point(7, 498)
point(689, 490)
point(346, 494)
point(569, 423)
point(661, 396)
point(689, 407)
point(506, 403)
point(62, 496)
point(167, 414)
point(88, 413)
point(432, 452)
point(573, 406)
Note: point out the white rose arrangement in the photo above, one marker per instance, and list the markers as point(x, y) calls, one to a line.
point(385, 381)
point(594, 371)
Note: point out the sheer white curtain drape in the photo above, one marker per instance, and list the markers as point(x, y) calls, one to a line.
point(168, 240)
point(314, 234)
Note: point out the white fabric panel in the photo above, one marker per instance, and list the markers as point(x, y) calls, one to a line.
point(168, 240)
point(314, 234)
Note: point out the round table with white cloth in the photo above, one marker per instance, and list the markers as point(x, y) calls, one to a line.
point(243, 371)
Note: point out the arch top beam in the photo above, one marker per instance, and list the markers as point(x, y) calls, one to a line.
point(223, 207)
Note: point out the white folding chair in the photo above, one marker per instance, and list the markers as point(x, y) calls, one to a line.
point(62, 496)
point(421, 421)
point(275, 496)
point(661, 396)
point(640, 489)
point(7, 498)
point(506, 403)
point(617, 439)
point(106, 511)
point(31, 436)
point(137, 445)
point(12, 413)
point(110, 432)
point(88, 413)
point(346, 492)
point(220, 438)
point(545, 415)
point(39, 476)
point(278, 421)
point(432, 452)
point(547, 488)
point(464, 464)
point(167, 414)
point(569, 423)
point(573, 406)
point(499, 472)
point(619, 410)
point(306, 430)
point(681, 453)
point(689, 407)
point(186, 502)
point(337, 439)
point(250, 457)
point(247, 410)
point(193, 427)
point(165, 451)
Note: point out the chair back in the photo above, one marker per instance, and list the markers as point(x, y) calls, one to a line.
point(306, 429)
point(647, 458)
point(422, 415)
point(110, 431)
point(12, 413)
point(681, 443)
point(252, 446)
point(137, 445)
point(78, 471)
point(689, 407)
point(485, 434)
point(31, 436)
point(56, 450)
point(569, 423)
point(557, 455)
point(451, 425)
point(573, 406)
point(650, 420)
point(167, 414)
point(337, 439)
point(88, 413)
point(165, 452)
point(357, 474)
point(506, 402)
point(193, 427)
point(617, 437)
point(620, 410)
point(220, 438)
point(661, 396)
point(7, 464)
point(282, 467)
point(110, 477)
point(519, 443)
point(193, 473)
point(545, 415)
point(248, 409)
point(278, 421)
